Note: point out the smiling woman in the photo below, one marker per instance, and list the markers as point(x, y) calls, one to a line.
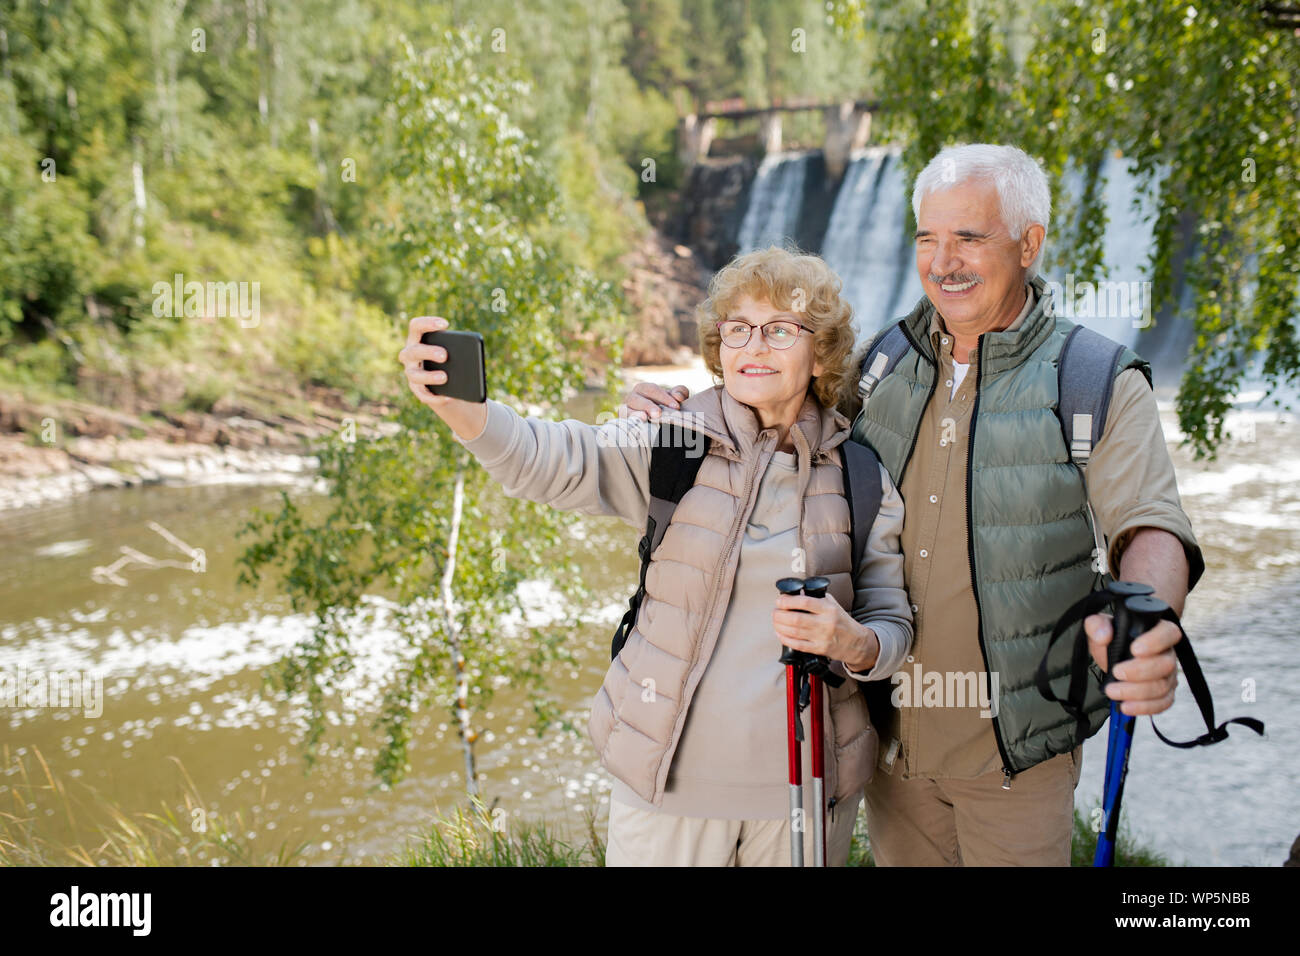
point(690, 716)
point(774, 371)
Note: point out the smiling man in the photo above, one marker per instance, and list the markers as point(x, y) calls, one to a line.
point(1002, 531)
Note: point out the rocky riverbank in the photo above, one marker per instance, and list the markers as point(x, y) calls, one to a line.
point(134, 430)
point(53, 450)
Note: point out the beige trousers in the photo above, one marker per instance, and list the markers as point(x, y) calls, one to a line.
point(946, 822)
point(643, 838)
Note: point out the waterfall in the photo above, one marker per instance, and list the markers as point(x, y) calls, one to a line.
point(775, 199)
point(1119, 305)
point(866, 242)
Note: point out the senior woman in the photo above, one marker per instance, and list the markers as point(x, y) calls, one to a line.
point(690, 719)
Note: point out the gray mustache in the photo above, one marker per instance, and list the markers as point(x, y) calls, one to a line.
point(953, 279)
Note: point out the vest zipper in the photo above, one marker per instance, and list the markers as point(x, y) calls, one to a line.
point(970, 552)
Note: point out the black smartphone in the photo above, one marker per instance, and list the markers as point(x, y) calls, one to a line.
point(466, 372)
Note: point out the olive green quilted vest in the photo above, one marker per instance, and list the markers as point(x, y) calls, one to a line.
point(1029, 527)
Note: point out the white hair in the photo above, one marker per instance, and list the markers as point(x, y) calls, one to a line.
point(1023, 193)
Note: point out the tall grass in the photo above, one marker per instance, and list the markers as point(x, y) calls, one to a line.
point(477, 836)
point(101, 834)
point(34, 802)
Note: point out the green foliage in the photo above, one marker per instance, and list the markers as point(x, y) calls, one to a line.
point(474, 837)
point(470, 212)
point(1201, 99)
point(46, 255)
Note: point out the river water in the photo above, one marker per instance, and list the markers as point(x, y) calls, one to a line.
point(181, 655)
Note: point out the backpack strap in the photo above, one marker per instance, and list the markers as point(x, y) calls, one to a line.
point(882, 355)
point(672, 473)
point(1085, 377)
point(863, 495)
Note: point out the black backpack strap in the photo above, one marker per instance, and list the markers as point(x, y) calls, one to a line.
point(863, 495)
point(1085, 378)
point(672, 473)
point(882, 355)
point(861, 470)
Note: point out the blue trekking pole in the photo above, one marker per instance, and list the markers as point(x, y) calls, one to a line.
point(1136, 612)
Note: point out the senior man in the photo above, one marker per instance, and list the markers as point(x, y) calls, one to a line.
point(1002, 532)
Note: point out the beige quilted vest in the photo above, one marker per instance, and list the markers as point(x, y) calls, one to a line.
point(638, 715)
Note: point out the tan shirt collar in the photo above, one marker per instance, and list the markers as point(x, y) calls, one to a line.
point(936, 322)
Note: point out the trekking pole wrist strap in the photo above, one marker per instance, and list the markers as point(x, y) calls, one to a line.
point(1073, 702)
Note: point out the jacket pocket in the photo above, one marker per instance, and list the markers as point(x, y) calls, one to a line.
point(854, 739)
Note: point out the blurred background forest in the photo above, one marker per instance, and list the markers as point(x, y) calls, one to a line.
point(253, 141)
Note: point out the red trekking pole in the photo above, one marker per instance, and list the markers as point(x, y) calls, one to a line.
point(816, 587)
point(803, 686)
point(793, 732)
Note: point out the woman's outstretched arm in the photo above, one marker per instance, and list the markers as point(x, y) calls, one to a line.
point(570, 465)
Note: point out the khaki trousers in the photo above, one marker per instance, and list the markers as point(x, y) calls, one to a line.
point(643, 838)
point(946, 822)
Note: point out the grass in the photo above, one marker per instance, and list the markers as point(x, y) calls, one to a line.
point(475, 836)
point(104, 835)
point(1127, 852)
point(31, 797)
point(469, 838)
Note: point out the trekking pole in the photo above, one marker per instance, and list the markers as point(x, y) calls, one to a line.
point(1134, 616)
point(817, 587)
point(1118, 592)
point(1136, 611)
point(792, 660)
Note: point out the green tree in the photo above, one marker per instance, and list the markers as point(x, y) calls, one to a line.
point(1201, 97)
point(467, 207)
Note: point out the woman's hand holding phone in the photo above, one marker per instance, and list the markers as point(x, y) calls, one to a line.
point(466, 419)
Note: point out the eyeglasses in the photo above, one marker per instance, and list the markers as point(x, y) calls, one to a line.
point(779, 335)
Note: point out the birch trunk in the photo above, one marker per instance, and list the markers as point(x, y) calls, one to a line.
point(463, 727)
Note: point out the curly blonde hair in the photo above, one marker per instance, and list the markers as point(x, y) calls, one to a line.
point(786, 280)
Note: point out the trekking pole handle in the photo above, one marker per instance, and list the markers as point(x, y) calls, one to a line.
point(1144, 613)
point(816, 587)
point(1122, 592)
point(790, 586)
